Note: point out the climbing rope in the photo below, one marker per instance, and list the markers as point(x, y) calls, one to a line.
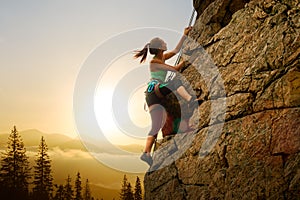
point(190, 24)
point(172, 74)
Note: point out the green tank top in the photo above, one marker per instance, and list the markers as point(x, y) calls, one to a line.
point(159, 75)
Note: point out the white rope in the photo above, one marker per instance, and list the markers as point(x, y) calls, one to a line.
point(172, 74)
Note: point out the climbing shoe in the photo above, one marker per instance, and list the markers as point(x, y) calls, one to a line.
point(146, 158)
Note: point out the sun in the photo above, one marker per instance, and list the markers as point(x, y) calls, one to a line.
point(103, 108)
point(133, 100)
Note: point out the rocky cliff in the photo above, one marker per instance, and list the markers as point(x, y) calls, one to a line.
point(250, 113)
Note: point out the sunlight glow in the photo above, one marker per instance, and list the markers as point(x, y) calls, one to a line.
point(103, 101)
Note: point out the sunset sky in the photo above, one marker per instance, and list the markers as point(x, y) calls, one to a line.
point(44, 45)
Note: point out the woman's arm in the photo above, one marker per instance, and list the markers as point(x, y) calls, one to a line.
point(172, 53)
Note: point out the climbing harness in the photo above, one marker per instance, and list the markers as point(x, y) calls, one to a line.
point(154, 85)
point(151, 85)
point(157, 91)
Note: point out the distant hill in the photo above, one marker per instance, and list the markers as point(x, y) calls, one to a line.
point(72, 144)
point(32, 138)
point(104, 193)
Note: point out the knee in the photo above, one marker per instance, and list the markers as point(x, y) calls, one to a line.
point(153, 132)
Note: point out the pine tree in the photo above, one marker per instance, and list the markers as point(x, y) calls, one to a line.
point(78, 188)
point(123, 192)
point(68, 190)
point(87, 191)
point(15, 171)
point(60, 193)
point(129, 193)
point(42, 173)
point(126, 190)
point(138, 189)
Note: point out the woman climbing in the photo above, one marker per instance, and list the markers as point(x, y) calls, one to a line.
point(158, 88)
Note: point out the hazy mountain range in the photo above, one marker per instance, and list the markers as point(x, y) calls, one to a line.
point(32, 138)
point(69, 156)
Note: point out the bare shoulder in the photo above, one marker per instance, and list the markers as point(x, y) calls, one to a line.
point(156, 61)
point(155, 64)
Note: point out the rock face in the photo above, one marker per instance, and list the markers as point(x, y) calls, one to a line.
point(255, 47)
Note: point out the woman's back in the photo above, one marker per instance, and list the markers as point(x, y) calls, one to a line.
point(159, 75)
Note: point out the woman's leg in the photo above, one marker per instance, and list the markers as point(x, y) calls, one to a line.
point(149, 142)
point(156, 113)
point(183, 93)
point(176, 84)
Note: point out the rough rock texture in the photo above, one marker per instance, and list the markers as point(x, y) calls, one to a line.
point(256, 48)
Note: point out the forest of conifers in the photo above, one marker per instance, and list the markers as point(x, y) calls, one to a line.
point(20, 181)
